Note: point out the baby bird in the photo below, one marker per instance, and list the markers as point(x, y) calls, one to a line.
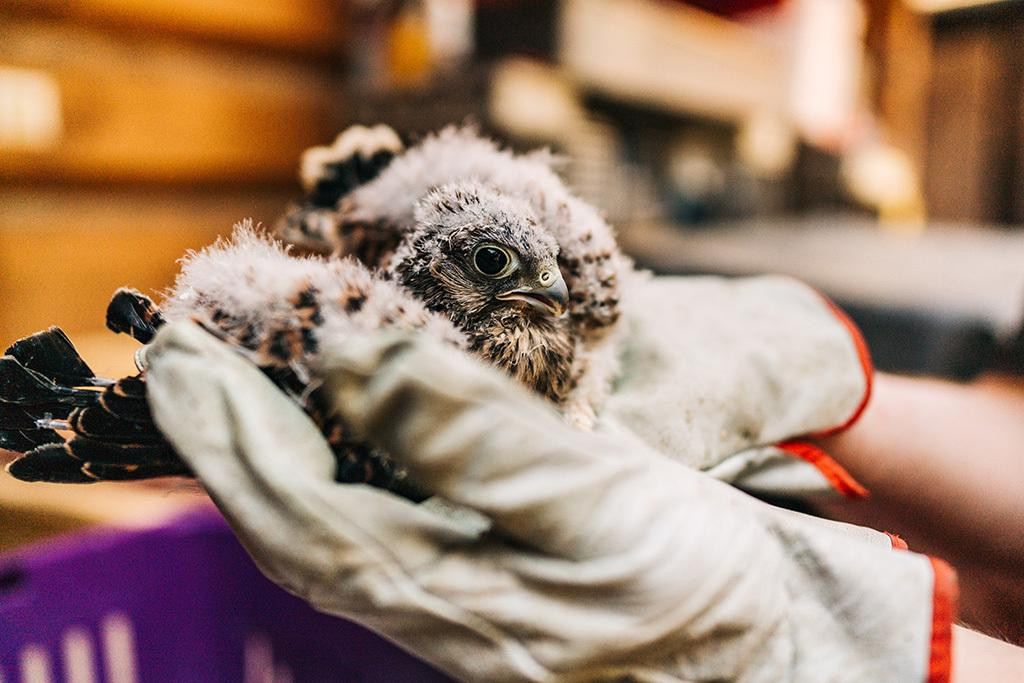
point(480, 259)
point(370, 198)
point(495, 258)
point(280, 311)
point(283, 312)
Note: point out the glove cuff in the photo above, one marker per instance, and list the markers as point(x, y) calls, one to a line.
point(945, 594)
point(717, 372)
point(835, 474)
point(944, 599)
point(863, 356)
point(875, 612)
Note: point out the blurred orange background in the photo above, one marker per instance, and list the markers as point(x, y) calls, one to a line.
point(875, 148)
point(131, 130)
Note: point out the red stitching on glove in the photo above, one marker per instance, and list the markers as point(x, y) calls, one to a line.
point(944, 598)
point(863, 355)
point(836, 475)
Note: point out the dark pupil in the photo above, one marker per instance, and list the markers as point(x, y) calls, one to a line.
point(491, 261)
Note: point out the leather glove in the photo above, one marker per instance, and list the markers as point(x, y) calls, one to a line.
point(735, 376)
point(556, 555)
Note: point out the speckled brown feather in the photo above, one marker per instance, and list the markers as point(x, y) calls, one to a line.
point(278, 311)
point(535, 353)
point(413, 217)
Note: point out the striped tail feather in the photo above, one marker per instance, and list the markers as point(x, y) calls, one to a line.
point(99, 422)
point(63, 463)
point(47, 391)
point(46, 388)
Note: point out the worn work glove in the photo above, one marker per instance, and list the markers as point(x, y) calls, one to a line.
point(558, 555)
point(732, 376)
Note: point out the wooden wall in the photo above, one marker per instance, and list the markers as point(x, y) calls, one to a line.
point(975, 119)
point(952, 96)
point(177, 118)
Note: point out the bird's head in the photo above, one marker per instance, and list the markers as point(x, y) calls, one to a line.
point(476, 252)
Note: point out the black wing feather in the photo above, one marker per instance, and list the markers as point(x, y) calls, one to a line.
point(50, 464)
point(114, 436)
point(52, 354)
point(27, 439)
point(98, 423)
point(133, 313)
point(23, 386)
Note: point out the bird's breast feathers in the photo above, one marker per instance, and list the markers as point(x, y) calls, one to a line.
point(538, 353)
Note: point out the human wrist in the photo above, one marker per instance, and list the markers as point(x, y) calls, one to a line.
point(980, 659)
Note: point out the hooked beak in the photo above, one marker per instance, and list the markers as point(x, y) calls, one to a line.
point(550, 295)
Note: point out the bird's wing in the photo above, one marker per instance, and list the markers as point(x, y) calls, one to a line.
point(592, 264)
point(287, 312)
point(281, 311)
point(329, 173)
point(46, 386)
point(284, 308)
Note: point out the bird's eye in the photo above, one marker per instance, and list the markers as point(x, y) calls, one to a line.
point(494, 261)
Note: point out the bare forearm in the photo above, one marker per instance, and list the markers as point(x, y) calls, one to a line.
point(980, 659)
point(946, 460)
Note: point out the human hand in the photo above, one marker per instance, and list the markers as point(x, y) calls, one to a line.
point(559, 555)
point(943, 463)
point(718, 373)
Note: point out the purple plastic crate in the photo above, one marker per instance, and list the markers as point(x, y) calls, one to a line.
point(180, 602)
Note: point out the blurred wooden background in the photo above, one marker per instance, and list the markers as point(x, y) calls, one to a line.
point(151, 126)
point(951, 93)
point(174, 119)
